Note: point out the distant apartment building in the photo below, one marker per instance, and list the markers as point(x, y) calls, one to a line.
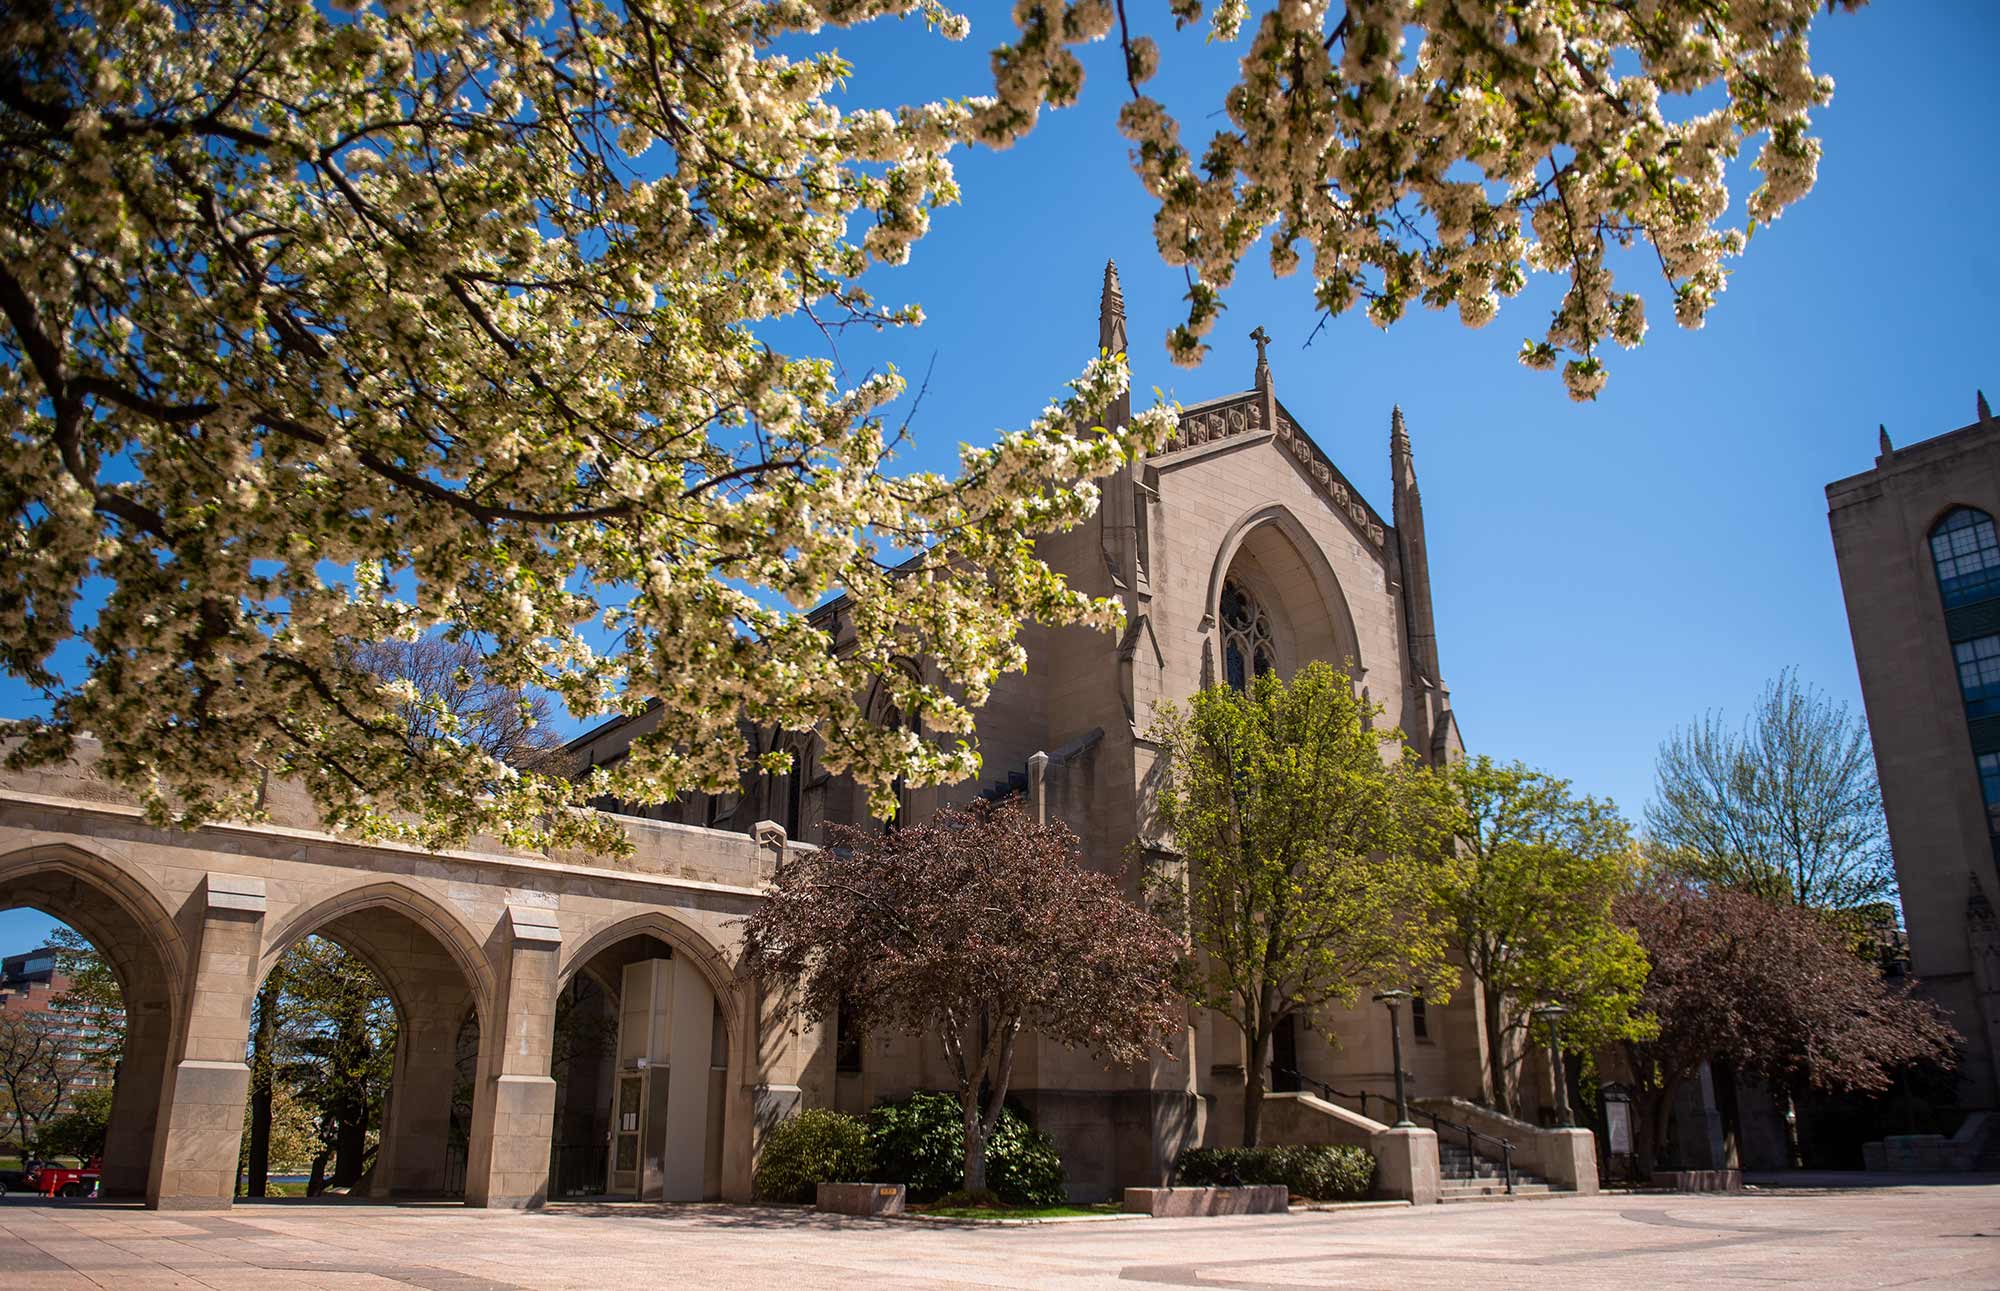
point(1920, 568)
point(31, 982)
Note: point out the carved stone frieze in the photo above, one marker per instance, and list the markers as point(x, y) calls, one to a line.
point(1246, 416)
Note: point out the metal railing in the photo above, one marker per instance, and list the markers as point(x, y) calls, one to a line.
point(1332, 1095)
point(1472, 1140)
point(577, 1169)
point(1439, 1125)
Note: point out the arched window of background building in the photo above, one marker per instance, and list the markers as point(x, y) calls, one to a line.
point(1247, 649)
point(1967, 555)
point(1978, 663)
point(1989, 788)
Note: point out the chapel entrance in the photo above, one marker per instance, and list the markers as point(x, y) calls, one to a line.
point(642, 1051)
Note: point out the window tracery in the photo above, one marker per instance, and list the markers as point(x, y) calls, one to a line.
point(1248, 647)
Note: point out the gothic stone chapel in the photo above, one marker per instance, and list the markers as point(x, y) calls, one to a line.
point(1240, 548)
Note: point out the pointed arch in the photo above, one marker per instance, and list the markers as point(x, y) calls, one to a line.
point(34, 877)
point(443, 925)
point(724, 982)
point(1325, 629)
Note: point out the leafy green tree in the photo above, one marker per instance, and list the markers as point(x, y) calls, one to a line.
point(92, 996)
point(80, 1131)
point(1786, 807)
point(1529, 890)
point(1311, 839)
point(334, 1051)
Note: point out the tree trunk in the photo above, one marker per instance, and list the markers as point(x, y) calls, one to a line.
point(316, 1182)
point(349, 1147)
point(260, 1090)
point(975, 1139)
point(1259, 1055)
point(1730, 1109)
point(1495, 1005)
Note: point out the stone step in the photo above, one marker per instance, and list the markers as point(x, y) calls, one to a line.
point(1462, 1191)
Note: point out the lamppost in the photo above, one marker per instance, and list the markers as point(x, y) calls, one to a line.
point(1551, 1014)
point(1394, 1000)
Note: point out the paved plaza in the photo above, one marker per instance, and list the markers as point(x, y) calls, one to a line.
point(1942, 1236)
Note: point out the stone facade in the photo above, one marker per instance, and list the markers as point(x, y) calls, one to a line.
point(1240, 546)
point(1921, 574)
point(1242, 501)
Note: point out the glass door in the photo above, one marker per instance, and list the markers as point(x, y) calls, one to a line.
point(625, 1135)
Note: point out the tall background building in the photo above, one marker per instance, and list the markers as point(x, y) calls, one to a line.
point(1920, 568)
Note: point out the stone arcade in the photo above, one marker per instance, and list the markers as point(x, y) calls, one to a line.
point(1239, 548)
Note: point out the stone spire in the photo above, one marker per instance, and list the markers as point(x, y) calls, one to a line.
point(1882, 433)
point(1111, 312)
point(1419, 622)
point(1985, 413)
point(1120, 519)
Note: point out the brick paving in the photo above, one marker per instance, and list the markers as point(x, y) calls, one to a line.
point(1918, 1236)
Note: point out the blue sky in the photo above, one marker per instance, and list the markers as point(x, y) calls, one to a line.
point(1602, 572)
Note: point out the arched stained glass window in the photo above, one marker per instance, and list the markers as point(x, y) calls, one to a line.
point(1967, 555)
point(1247, 648)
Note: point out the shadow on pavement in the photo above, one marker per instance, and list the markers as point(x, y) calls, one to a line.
point(1836, 1180)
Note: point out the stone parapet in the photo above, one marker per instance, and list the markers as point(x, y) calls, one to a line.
point(1920, 1154)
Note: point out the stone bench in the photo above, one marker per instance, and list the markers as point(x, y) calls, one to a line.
point(1178, 1203)
point(860, 1198)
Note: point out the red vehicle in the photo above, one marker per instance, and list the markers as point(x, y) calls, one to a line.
point(60, 1181)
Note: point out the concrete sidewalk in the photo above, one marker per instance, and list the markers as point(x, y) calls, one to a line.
point(1907, 1236)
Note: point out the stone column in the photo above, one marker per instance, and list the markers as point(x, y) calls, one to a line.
point(136, 1097)
point(199, 1131)
point(416, 1124)
point(514, 1097)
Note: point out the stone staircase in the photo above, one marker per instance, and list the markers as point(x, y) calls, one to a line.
point(1465, 1177)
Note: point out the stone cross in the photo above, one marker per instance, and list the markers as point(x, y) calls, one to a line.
point(1262, 340)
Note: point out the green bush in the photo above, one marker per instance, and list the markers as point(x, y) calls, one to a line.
point(1321, 1173)
point(1022, 1164)
point(815, 1146)
point(919, 1142)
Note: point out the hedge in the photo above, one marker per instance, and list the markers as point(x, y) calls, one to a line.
point(1320, 1173)
point(815, 1146)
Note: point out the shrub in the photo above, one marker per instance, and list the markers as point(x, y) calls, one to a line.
point(919, 1142)
point(1321, 1173)
point(1022, 1164)
point(813, 1147)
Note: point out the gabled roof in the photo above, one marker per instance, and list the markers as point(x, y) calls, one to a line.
point(1242, 413)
